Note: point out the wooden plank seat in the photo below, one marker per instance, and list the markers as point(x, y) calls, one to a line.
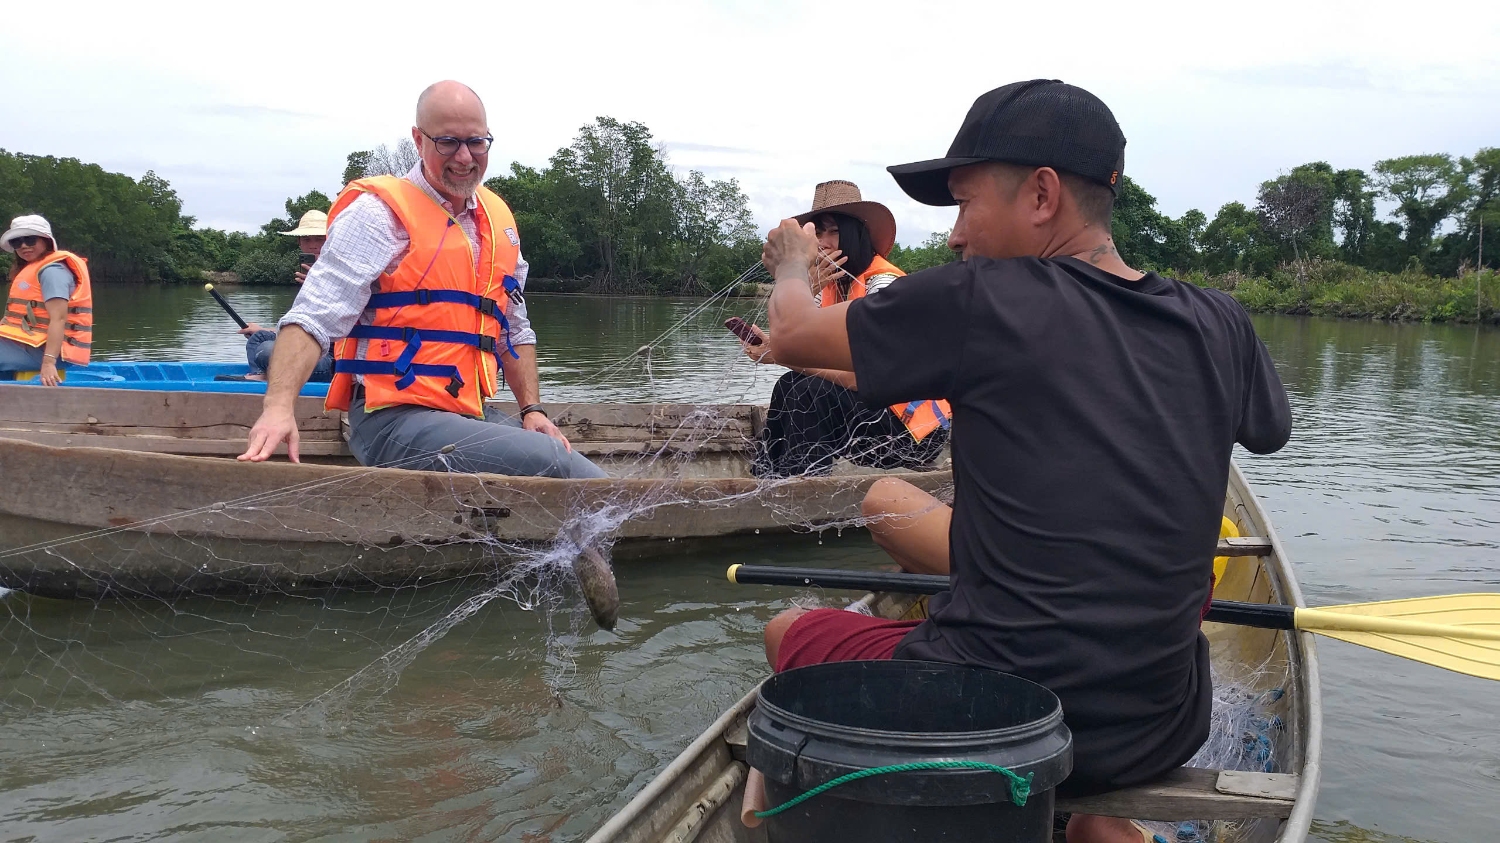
point(1191, 793)
point(1244, 546)
point(1187, 793)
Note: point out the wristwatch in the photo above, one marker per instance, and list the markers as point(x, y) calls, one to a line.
point(533, 408)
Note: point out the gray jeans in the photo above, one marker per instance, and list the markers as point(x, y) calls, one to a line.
point(15, 356)
point(260, 345)
point(407, 436)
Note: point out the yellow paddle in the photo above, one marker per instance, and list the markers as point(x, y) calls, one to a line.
point(1458, 632)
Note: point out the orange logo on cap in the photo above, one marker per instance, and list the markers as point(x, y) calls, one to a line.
point(1114, 176)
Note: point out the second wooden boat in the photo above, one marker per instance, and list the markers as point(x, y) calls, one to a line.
point(135, 493)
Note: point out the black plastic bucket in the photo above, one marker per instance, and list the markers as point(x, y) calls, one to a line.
point(815, 724)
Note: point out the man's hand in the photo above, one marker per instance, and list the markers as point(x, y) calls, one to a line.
point(296, 353)
point(539, 423)
point(275, 425)
point(301, 273)
point(790, 249)
point(250, 329)
point(49, 372)
point(825, 271)
point(759, 353)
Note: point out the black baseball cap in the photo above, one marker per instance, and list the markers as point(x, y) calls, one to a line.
point(1041, 123)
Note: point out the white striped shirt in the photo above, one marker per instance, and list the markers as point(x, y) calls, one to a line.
point(364, 241)
point(875, 284)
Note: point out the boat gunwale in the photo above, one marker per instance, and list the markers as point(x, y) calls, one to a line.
point(663, 781)
point(1303, 652)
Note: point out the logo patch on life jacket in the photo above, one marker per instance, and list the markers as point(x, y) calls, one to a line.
point(24, 285)
point(515, 239)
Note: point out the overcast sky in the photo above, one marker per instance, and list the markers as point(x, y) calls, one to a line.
point(241, 105)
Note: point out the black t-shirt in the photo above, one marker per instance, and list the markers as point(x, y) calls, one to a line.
point(1094, 419)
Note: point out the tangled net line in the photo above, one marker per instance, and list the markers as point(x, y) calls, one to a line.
point(49, 658)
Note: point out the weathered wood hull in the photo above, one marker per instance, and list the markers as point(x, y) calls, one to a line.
point(698, 796)
point(84, 521)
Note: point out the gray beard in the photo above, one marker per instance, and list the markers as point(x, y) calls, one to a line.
point(465, 188)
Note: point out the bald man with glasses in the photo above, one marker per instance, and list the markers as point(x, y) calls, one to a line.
point(421, 285)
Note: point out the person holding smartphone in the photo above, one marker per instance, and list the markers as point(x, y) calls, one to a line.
point(311, 232)
point(816, 415)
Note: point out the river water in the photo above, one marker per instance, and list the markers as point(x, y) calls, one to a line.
point(227, 719)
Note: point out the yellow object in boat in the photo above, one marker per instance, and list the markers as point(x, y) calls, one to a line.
point(1227, 530)
point(62, 375)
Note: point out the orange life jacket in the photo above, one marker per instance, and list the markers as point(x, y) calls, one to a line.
point(439, 321)
point(26, 318)
point(920, 417)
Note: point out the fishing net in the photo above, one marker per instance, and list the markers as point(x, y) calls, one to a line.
point(449, 545)
point(375, 584)
point(1245, 730)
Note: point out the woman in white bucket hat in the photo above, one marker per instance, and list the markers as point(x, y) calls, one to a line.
point(311, 233)
point(48, 320)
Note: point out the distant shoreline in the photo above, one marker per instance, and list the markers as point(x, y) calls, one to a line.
point(1322, 288)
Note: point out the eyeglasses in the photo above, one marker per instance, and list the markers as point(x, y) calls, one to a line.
point(28, 240)
point(447, 144)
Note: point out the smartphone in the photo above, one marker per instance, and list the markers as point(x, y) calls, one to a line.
point(741, 329)
point(307, 259)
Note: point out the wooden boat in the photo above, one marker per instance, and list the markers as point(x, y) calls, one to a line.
point(130, 492)
point(160, 376)
point(698, 796)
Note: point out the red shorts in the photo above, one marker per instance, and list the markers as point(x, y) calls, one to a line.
point(834, 635)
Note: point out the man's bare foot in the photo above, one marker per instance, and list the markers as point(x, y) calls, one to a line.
point(256, 376)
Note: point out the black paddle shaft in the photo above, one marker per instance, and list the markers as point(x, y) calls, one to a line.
point(228, 309)
point(1260, 615)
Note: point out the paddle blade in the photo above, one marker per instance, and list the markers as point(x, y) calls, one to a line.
point(1458, 632)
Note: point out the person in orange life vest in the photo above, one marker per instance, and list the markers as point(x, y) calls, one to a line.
point(816, 415)
point(420, 283)
point(48, 320)
point(311, 232)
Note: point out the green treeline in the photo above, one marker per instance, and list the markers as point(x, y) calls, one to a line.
point(609, 214)
point(127, 229)
point(1316, 212)
point(1313, 242)
point(608, 208)
point(133, 231)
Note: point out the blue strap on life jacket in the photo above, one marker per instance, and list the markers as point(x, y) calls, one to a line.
point(414, 337)
point(911, 410)
point(488, 307)
point(407, 375)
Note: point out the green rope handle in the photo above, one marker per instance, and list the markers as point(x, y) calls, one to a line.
point(1020, 786)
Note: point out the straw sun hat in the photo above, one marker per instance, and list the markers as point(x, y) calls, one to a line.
point(843, 197)
point(312, 224)
point(24, 225)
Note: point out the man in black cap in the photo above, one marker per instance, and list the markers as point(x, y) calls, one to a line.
point(1095, 407)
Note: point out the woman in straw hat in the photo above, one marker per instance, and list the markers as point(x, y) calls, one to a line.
point(816, 415)
point(48, 320)
point(311, 233)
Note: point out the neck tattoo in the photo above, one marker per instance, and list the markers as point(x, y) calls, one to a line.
point(1102, 251)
